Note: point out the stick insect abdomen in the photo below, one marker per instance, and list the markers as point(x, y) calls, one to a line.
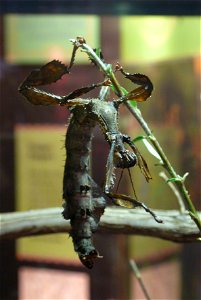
point(78, 190)
point(77, 151)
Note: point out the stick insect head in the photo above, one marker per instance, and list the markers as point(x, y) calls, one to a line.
point(122, 157)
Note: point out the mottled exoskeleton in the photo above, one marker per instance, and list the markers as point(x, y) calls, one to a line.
point(84, 201)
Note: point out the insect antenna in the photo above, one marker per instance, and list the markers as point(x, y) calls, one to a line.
point(72, 57)
point(119, 180)
point(134, 192)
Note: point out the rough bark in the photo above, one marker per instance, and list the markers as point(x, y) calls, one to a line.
point(176, 227)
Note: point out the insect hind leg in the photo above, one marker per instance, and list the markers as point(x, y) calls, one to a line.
point(129, 202)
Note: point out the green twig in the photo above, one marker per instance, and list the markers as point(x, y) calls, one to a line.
point(178, 180)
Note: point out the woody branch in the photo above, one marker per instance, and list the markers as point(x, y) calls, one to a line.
point(176, 227)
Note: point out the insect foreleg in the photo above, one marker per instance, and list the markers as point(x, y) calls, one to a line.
point(47, 74)
point(73, 56)
point(38, 97)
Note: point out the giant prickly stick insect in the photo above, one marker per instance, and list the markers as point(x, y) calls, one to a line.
point(84, 201)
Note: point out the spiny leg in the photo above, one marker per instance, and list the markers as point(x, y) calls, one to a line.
point(79, 92)
point(41, 76)
point(141, 93)
point(75, 47)
point(47, 74)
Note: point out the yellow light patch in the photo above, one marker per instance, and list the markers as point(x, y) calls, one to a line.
point(40, 157)
point(37, 39)
point(147, 39)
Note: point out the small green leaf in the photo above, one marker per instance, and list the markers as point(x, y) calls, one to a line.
point(151, 149)
point(139, 138)
point(124, 90)
point(98, 52)
point(178, 178)
point(133, 103)
point(173, 179)
point(112, 87)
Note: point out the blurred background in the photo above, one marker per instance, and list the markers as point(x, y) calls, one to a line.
point(161, 41)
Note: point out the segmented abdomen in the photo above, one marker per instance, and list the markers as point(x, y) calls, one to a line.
point(81, 207)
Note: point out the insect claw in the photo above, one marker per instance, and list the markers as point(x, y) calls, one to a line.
point(118, 67)
point(81, 40)
point(158, 220)
point(78, 41)
point(107, 82)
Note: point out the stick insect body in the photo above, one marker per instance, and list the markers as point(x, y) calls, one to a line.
point(84, 202)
